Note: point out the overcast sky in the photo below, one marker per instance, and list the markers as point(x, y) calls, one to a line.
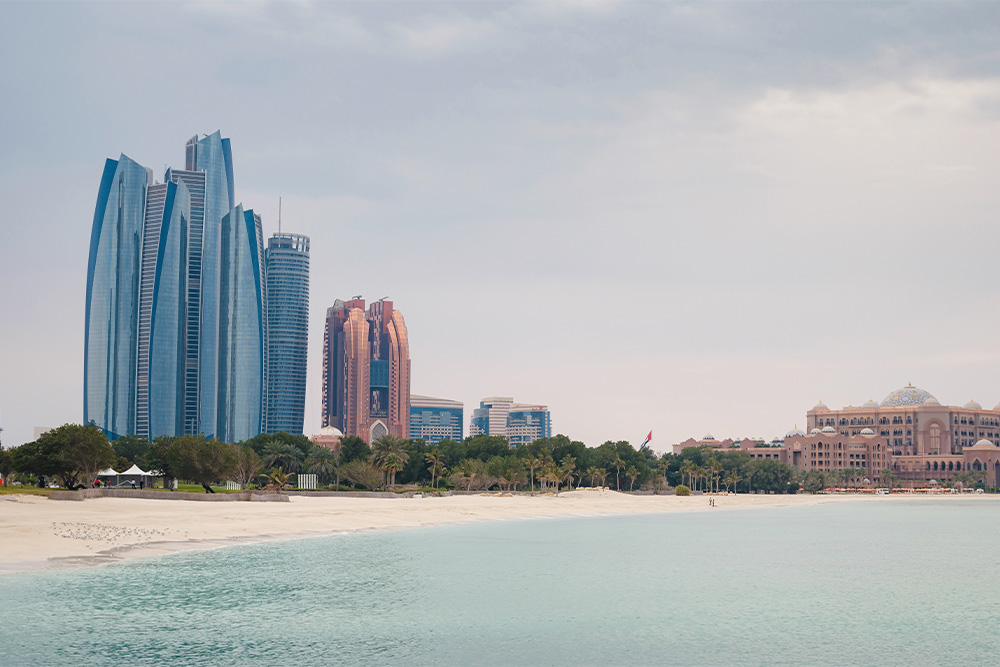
point(688, 218)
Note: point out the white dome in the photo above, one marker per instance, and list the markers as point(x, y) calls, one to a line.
point(908, 395)
point(931, 401)
point(828, 429)
point(795, 431)
point(867, 431)
point(815, 430)
point(329, 431)
point(709, 436)
point(984, 443)
point(972, 405)
point(819, 407)
point(870, 403)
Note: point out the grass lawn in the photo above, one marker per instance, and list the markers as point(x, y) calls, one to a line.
point(29, 490)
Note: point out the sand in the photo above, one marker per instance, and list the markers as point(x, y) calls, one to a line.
point(37, 533)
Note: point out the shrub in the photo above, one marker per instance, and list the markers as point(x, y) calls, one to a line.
point(682, 490)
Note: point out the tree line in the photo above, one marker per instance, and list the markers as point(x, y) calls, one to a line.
point(73, 454)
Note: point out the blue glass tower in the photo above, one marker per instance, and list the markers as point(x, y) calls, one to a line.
point(176, 328)
point(287, 332)
point(434, 419)
point(241, 327)
point(212, 155)
point(112, 301)
point(163, 311)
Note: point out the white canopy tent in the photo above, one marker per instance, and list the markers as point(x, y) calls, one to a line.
point(133, 474)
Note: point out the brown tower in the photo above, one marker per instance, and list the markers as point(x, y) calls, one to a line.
point(366, 370)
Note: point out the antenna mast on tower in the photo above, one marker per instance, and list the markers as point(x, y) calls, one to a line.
point(279, 215)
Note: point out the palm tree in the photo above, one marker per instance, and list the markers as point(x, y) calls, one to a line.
point(632, 473)
point(663, 465)
point(277, 479)
point(385, 446)
point(567, 470)
point(277, 453)
point(596, 474)
point(733, 479)
point(715, 468)
point(618, 463)
point(394, 462)
point(436, 461)
point(551, 473)
point(687, 471)
point(323, 462)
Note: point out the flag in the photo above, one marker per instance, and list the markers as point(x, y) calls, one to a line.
point(646, 441)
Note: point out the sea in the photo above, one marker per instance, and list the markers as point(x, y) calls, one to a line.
point(876, 583)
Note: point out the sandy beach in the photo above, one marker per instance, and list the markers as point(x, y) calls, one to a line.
point(37, 533)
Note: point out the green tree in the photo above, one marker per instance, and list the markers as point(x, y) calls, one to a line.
point(567, 470)
point(277, 453)
point(277, 479)
point(155, 460)
point(389, 448)
point(814, 481)
point(618, 463)
point(202, 461)
point(631, 472)
point(323, 463)
point(74, 453)
point(392, 464)
point(131, 448)
point(468, 471)
point(248, 466)
point(732, 480)
point(363, 473)
point(435, 462)
point(353, 448)
point(595, 473)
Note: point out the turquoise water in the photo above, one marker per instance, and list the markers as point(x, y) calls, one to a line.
point(888, 583)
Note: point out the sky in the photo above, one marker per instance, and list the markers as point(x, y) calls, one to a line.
point(685, 218)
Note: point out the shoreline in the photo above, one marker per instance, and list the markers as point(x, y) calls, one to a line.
point(39, 534)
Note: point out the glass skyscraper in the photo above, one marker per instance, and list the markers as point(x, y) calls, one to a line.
point(287, 332)
point(112, 307)
point(241, 332)
point(176, 324)
point(520, 423)
point(434, 419)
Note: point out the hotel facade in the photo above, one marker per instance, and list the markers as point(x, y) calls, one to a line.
point(909, 433)
point(366, 370)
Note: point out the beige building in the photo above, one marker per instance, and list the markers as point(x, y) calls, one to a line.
point(910, 433)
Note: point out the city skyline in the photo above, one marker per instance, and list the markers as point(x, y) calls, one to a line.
point(778, 203)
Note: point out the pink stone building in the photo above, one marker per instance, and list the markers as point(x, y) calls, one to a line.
point(910, 433)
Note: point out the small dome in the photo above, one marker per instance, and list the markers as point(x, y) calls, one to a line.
point(867, 431)
point(870, 403)
point(709, 436)
point(984, 443)
point(931, 401)
point(795, 431)
point(819, 407)
point(828, 429)
point(908, 395)
point(815, 430)
point(972, 405)
point(329, 431)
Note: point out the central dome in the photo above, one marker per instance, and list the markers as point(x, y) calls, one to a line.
point(908, 395)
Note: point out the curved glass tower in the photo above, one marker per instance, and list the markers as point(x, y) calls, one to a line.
point(176, 312)
point(241, 327)
point(109, 359)
point(212, 155)
point(163, 311)
point(287, 332)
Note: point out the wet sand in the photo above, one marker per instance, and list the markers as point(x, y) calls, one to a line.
point(37, 533)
